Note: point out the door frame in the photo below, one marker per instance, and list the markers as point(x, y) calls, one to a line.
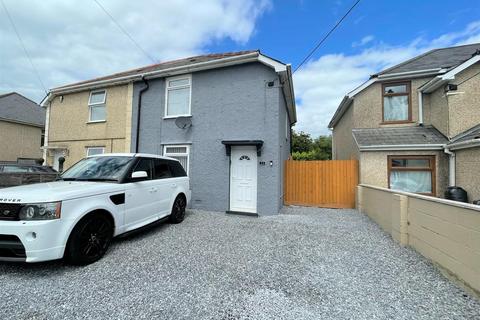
point(230, 188)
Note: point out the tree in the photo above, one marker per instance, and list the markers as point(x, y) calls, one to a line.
point(306, 148)
point(301, 142)
point(323, 145)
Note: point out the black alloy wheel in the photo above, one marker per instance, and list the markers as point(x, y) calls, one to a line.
point(90, 239)
point(178, 210)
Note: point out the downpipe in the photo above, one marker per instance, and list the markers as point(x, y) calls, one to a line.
point(139, 112)
point(451, 167)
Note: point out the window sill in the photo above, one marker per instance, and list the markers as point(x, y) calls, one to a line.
point(397, 122)
point(98, 121)
point(179, 116)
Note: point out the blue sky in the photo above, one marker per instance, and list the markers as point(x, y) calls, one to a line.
point(68, 42)
point(289, 29)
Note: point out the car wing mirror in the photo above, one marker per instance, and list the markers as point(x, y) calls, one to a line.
point(139, 175)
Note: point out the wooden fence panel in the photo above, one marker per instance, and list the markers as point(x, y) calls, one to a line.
point(329, 184)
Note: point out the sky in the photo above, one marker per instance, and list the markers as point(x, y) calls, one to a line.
point(70, 41)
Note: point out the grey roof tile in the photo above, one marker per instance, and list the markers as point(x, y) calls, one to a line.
point(470, 134)
point(447, 58)
point(398, 136)
point(165, 65)
point(15, 107)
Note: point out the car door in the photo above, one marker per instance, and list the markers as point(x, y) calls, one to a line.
point(141, 197)
point(163, 177)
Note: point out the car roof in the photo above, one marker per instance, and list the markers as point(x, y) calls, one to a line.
point(133, 155)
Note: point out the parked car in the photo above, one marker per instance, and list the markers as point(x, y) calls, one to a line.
point(98, 198)
point(16, 174)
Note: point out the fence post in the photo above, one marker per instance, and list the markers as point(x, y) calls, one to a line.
point(359, 198)
point(404, 220)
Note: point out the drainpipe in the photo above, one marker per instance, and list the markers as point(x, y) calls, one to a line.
point(46, 133)
point(139, 112)
point(420, 107)
point(451, 167)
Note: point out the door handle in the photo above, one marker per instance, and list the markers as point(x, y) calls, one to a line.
point(174, 185)
point(153, 190)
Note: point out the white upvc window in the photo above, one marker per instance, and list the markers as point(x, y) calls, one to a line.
point(96, 106)
point(91, 151)
point(178, 93)
point(179, 152)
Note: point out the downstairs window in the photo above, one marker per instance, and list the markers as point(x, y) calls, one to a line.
point(412, 174)
point(179, 152)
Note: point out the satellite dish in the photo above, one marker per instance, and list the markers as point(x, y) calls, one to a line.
point(183, 122)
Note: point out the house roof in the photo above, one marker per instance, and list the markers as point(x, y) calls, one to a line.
point(472, 133)
point(17, 108)
point(433, 63)
point(188, 65)
point(164, 65)
point(402, 138)
point(468, 139)
point(443, 58)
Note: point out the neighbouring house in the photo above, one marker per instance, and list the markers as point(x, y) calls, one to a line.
point(416, 126)
point(226, 117)
point(21, 128)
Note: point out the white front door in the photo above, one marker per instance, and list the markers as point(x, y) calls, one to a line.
point(243, 179)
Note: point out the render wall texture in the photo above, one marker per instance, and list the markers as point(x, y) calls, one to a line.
point(69, 125)
point(344, 146)
point(19, 141)
point(467, 166)
point(436, 107)
point(368, 106)
point(464, 104)
point(231, 103)
point(447, 232)
point(373, 168)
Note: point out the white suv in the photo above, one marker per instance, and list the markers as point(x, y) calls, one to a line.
point(95, 200)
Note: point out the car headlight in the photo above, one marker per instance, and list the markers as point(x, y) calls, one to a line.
point(41, 211)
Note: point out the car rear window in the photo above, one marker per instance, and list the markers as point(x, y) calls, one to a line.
point(177, 169)
point(162, 169)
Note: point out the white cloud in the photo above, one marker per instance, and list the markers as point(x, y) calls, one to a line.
point(71, 41)
point(363, 41)
point(321, 84)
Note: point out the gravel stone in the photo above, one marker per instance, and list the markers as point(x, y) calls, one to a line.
point(307, 263)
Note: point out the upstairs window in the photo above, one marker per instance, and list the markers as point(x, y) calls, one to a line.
point(96, 105)
point(177, 97)
point(412, 174)
point(396, 102)
point(179, 152)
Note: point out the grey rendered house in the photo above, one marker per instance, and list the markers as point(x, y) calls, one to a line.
point(22, 123)
point(226, 117)
point(416, 126)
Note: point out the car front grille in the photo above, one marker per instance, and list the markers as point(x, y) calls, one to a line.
point(11, 248)
point(10, 211)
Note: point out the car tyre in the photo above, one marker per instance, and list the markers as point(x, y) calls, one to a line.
point(89, 239)
point(178, 210)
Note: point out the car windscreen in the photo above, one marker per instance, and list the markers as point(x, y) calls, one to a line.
point(98, 169)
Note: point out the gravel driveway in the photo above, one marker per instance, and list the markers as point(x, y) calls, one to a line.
point(307, 263)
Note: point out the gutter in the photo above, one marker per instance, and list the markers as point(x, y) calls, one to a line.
point(402, 147)
point(31, 124)
point(139, 109)
point(464, 144)
point(409, 74)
